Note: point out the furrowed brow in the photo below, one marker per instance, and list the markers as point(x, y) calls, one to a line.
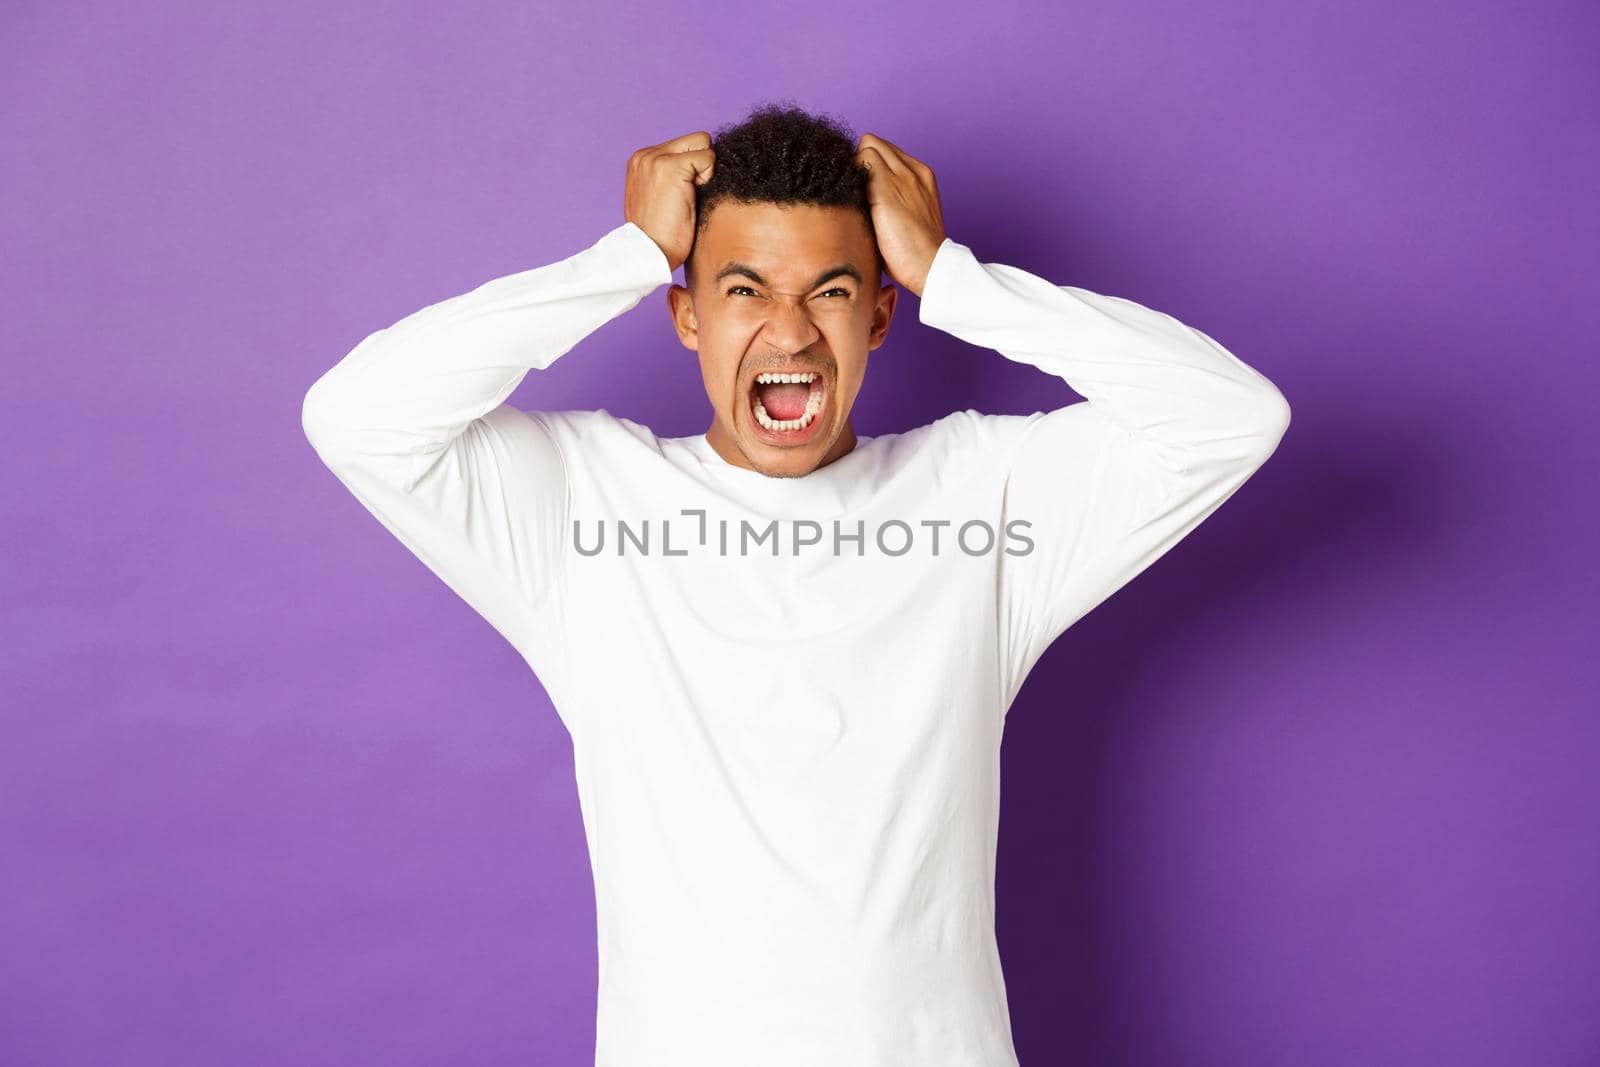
point(842, 270)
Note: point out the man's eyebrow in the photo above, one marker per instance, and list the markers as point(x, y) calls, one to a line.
point(843, 270)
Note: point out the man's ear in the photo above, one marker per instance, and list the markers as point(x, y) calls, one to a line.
point(680, 305)
point(882, 313)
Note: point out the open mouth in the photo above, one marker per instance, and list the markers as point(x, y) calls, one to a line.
point(787, 407)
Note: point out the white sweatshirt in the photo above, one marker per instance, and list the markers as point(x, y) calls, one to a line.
point(786, 696)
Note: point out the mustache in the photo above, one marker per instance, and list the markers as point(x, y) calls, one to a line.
point(805, 360)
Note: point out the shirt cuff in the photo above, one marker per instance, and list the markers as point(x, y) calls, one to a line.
point(643, 256)
point(940, 288)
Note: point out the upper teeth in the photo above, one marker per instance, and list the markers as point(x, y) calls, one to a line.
point(769, 378)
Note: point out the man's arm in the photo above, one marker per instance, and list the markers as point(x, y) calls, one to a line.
point(1172, 426)
point(414, 423)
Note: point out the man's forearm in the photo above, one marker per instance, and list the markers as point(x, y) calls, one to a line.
point(408, 390)
point(1177, 391)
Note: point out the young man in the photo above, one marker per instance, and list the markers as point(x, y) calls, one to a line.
point(784, 653)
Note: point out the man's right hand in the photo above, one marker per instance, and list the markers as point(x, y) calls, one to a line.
point(659, 197)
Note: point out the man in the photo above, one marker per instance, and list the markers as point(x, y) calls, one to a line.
point(784, 652)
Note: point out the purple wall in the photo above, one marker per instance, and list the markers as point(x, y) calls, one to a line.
point(1321, 787)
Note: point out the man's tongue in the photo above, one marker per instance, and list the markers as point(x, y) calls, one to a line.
point(784, 400)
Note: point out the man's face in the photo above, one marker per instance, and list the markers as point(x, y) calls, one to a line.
point(772, 293)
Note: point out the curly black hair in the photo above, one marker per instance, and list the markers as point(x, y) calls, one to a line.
point(784, 155)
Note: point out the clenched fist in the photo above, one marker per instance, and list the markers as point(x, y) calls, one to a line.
point(905, 210)
point(659, 195)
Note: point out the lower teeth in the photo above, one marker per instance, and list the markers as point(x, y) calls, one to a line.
point(783, 425)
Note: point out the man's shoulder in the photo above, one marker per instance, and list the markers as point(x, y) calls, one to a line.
point(592, 434)
point(591, 428)
point(973, 431)
point(591, 443)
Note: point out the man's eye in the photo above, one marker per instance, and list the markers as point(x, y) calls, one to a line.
point(741, 289)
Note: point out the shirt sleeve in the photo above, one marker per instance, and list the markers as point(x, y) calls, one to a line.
point(414, 422)
point(1097, 490)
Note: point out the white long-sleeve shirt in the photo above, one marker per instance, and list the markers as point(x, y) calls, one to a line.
point(786, 695)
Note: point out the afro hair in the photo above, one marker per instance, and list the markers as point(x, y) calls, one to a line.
point(782, 154)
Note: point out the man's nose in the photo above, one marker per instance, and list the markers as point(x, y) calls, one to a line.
point(789, 326)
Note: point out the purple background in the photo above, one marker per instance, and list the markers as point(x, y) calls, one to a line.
point(1319, 788)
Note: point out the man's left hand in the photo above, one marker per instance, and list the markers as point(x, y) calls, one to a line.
point(905, 210)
